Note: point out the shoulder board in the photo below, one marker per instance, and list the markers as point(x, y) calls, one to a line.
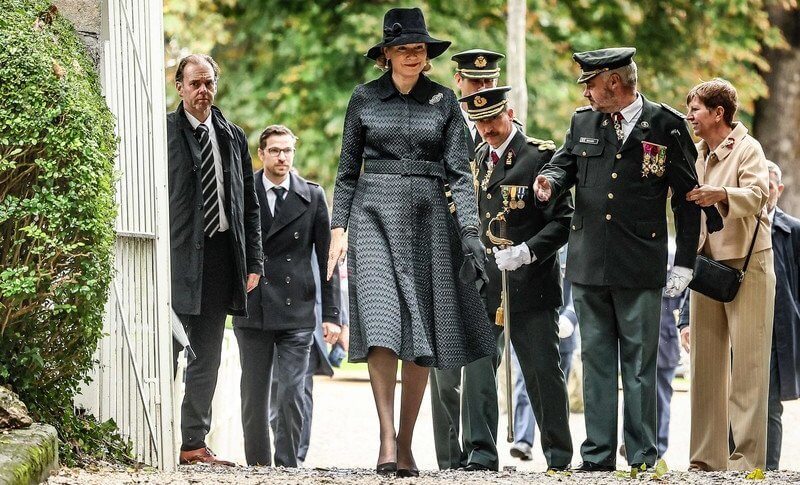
point(673, 110)
point(544, 145)
point(582, 109)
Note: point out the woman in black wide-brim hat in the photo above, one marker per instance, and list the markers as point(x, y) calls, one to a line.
point(412, 289)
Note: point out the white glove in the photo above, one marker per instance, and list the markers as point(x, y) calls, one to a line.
point(512, 258)
point(565, 327)
point(678, 280)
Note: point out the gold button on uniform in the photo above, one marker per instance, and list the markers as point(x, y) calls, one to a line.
point(583, 154)
point(488, 196)
point(614, 175)
point(619, 155)
point(573, 227)
point(608, 217)
point(488, 251)
point(488, 216)
point(610, 195)
point(653, 235)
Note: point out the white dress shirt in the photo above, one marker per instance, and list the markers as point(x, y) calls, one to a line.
point(630, 115)
point(271, 195)
point(212, 135)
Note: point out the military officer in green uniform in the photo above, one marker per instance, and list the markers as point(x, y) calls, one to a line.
point(511, 159)
point(623, 154)
point(464, 401)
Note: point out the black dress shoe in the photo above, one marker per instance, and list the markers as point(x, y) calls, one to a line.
point(407, 473)
point(588, 466)
point(386, 468)
point(476, 467)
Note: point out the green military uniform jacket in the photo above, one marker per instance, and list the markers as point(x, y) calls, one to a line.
point(619, 230)
point(536, 285)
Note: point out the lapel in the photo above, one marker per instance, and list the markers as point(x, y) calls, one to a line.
point(510, 153)
point(608, 131)
point(188, 133)
point(261, 192)
point(225, 141)
point(294, 205)
point(779, 222)
point(702, 151)
point(642, 127)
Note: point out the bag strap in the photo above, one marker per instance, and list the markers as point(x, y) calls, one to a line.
point(752, 243)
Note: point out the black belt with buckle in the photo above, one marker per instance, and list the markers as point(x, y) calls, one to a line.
point(421, 168)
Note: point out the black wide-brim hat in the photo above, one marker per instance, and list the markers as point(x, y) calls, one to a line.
point(407, 26)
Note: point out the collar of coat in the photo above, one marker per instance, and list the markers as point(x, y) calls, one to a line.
point(726, 147)
point(780, 222)
point(421, 92)
point(220, 123)
point(297, 184)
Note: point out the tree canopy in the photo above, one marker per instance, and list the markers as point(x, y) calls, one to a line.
point(296, 63)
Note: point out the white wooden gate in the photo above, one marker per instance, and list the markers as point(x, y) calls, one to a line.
point(133, 381)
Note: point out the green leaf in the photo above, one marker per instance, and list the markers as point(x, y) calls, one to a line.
point(661, 468)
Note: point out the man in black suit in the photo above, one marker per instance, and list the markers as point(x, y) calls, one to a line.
point(294, 221)
point(509, 158)
point(623, 154)
point(214, 234)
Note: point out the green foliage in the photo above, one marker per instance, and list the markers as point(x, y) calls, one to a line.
point(296, 63)
point(57, 209)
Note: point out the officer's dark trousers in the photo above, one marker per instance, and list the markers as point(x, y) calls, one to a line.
point(534, 336)
point(470, 410)
point(619, 325)
point(664, 375)
point(774, 412)
point(256, 352)
point(308, 404)
point(205, 332)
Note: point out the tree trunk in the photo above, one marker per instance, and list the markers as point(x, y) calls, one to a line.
point(515, 60)
point(777, 118)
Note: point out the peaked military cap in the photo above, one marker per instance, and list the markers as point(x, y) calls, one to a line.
point(595, 62)
point(478, 64)
point(486, 103)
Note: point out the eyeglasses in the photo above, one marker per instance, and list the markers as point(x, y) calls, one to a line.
point(276, 152)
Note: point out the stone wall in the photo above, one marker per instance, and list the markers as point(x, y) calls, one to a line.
point(86, 17)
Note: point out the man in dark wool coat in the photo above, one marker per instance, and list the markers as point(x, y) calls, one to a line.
point(784, 368)
point(215, 237)
point(623, 154)
point(280, 321)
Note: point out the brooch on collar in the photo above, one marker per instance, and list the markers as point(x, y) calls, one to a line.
point(729, 143)
point(435, 98)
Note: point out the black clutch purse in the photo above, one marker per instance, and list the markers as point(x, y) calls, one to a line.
point(718, 280)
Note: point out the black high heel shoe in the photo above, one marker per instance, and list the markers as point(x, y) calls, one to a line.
point(386, 468)
point(407, 473)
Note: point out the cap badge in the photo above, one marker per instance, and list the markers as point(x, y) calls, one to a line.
point(479, 101)
point(480, 61)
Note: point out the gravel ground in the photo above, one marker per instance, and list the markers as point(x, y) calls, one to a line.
point(359, 476)
point(344, 441)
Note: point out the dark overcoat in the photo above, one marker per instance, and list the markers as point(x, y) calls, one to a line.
point(619, 230)
point(535, 286)
point(786, 326)
point(285, 296)
point(405, 251)
point(186, 210)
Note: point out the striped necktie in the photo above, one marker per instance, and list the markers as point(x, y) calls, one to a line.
point(208, 179)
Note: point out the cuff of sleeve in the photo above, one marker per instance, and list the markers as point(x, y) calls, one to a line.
point(256, 268)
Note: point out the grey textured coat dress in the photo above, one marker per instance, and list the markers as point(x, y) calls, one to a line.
point(404, 247)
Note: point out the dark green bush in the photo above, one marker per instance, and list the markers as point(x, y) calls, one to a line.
point(57, 210)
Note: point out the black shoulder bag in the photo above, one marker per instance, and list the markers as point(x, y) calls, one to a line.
point(717, 280)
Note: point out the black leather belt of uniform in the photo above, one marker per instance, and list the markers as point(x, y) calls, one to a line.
point(421, 168)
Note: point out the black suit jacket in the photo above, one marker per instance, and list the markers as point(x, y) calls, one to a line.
point(619, 231)
point(537, 285)
point(186, 210)
point(285, 296)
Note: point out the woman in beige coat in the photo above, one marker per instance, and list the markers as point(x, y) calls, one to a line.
point(730, 342)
